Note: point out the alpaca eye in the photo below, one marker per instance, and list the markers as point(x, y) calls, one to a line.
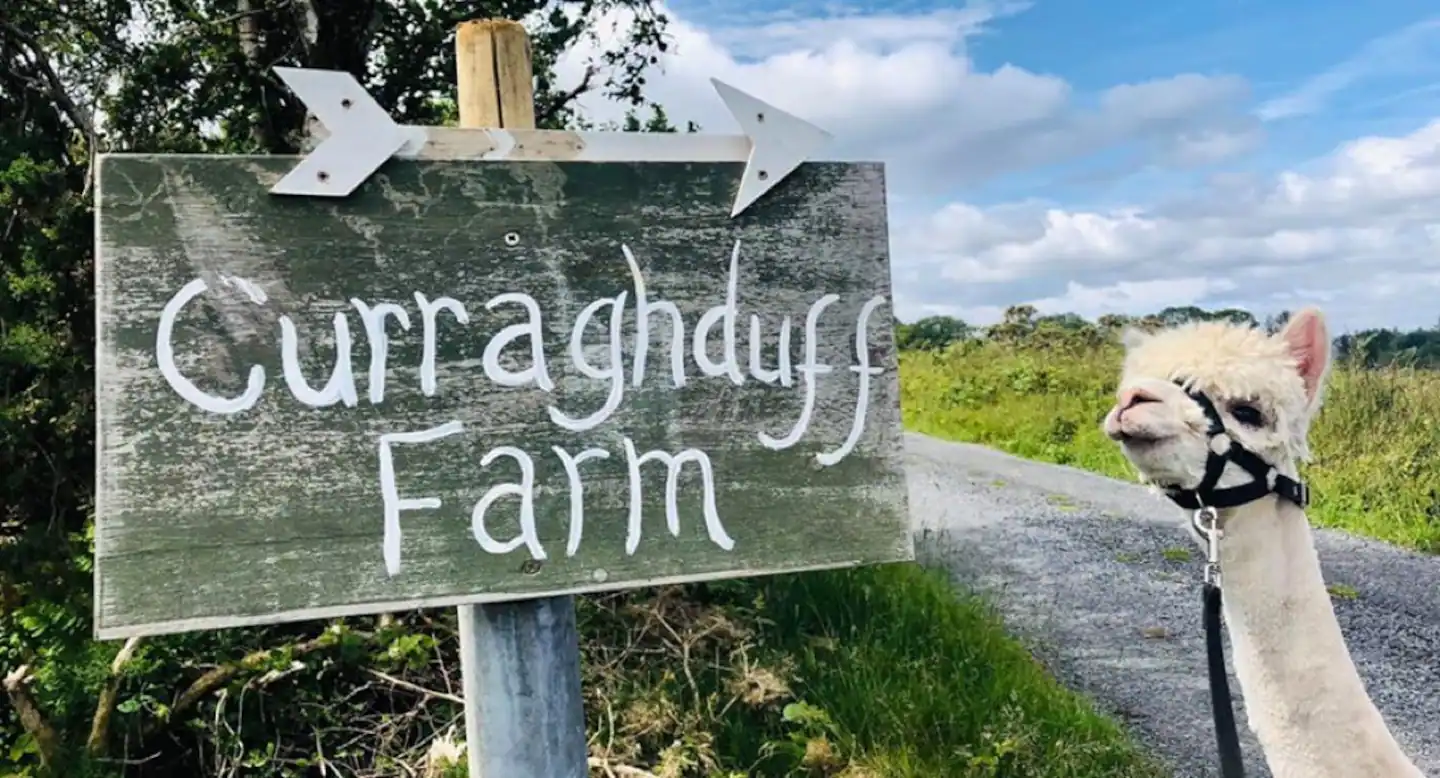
point(1247, 415)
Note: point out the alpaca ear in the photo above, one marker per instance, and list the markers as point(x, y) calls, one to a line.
point(1309, 342)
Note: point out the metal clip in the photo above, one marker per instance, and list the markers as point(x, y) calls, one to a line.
point(1206, 522)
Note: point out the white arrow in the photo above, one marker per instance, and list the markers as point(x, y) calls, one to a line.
point(779, 142)
point(361, 137)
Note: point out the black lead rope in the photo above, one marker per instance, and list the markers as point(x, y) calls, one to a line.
point(1227, 737)
point(1206, 500)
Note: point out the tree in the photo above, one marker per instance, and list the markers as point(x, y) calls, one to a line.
point(1276, 322)
point(1063, 321)
point(1235, 316)
point(931, 333)
point(659, 121)
point(1017, 323)
point(1020, 325)
point(1174, 315)
point(78, 77)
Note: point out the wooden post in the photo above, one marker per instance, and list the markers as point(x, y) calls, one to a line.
point(520, 661)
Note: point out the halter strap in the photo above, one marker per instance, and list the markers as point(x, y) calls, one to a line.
point(1265, 479)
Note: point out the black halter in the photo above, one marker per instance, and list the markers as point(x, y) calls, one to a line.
point(1265, 479)
point(1205, 500)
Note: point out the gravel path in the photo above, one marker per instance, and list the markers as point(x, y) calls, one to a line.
point(1077, 563)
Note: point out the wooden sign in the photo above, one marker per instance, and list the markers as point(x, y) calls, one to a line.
point(476, 382)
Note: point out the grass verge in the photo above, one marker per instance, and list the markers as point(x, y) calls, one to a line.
point(874, 672)
point(1376, 443)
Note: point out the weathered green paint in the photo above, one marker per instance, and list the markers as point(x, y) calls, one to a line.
point(275, 513)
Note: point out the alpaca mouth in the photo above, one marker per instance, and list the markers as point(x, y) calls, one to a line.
point(1136, 438)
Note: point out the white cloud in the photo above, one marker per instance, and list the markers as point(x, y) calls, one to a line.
point(1359, 230)
point(1150, 295)
point(778, 34)
point(902, 88)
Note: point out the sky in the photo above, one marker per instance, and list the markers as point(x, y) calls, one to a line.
point(1114, 157)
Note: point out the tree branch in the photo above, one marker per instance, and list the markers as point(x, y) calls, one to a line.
point(617, 769)
point(248, 33)
point(218, 677)
point(109, 695)
point(565, 98)
point(65, 105)
point(58, 92)
point(418, 689)
point(17, 687)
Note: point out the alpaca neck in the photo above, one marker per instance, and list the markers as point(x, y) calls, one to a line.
point(1305, 700)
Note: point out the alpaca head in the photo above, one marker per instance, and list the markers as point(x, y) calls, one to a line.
point(1266, 389)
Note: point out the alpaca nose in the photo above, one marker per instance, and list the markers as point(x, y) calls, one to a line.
point(1129, 398)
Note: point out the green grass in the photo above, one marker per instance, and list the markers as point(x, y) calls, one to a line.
point(1342, 592)
point(1176, 554)
point(1376, 442)
point(883, 671)
point(879, 671)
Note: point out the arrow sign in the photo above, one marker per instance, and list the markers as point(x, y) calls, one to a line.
point(362, 136)
point(779, 142)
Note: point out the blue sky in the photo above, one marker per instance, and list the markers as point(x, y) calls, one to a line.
point(1113, 157)
point(1319, 73)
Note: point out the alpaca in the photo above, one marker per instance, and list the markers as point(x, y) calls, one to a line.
point(1306, 703)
